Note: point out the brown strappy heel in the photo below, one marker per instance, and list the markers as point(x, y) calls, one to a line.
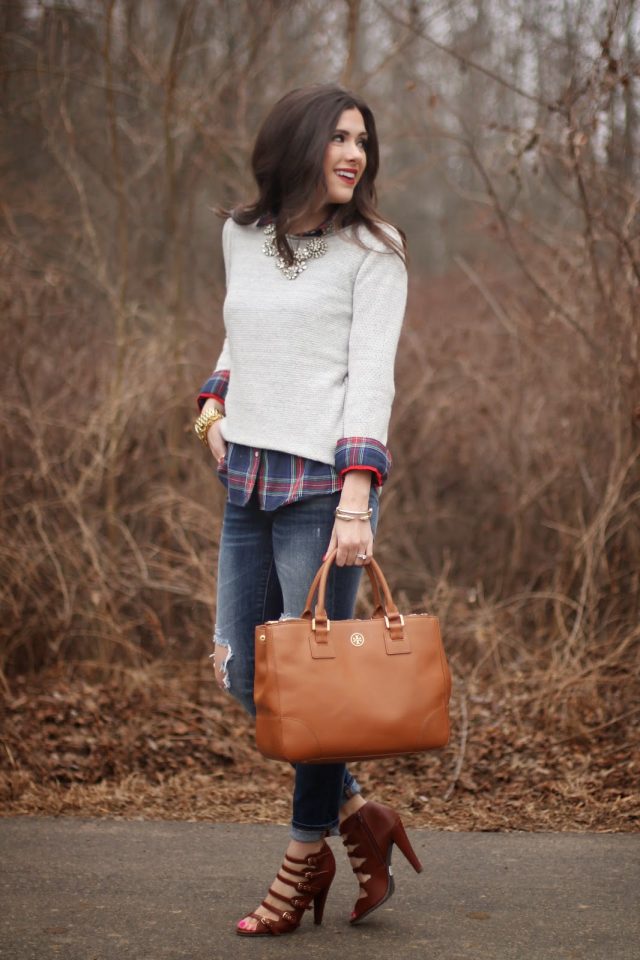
point(369, 834)
point(311, 885)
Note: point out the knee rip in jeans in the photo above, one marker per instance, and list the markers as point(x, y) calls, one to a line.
point(224, 668)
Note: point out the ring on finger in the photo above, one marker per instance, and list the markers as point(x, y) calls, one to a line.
point(361, 556)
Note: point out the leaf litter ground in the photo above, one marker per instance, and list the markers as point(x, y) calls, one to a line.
point(163, 742)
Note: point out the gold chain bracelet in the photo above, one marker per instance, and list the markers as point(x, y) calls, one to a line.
point(204, 422)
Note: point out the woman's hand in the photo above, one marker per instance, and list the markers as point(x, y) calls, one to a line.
point(215, 440)
point(353, 538)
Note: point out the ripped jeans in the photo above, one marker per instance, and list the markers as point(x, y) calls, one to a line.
point(266, 564)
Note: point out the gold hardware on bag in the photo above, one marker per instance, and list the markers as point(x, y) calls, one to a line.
point(357, 639)
point(262, 638)
point(313, 624)
point(386, 620)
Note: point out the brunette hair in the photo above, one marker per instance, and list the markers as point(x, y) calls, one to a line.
point(287, 163)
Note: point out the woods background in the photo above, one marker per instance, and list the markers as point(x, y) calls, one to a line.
point(510, 133)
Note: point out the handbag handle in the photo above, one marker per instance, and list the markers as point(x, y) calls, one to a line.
point(385, 606)
point(378, 609)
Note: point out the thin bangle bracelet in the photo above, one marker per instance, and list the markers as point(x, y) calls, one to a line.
point(341, 514)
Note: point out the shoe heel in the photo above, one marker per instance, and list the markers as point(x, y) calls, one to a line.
point(318, 905)
point(401, 840)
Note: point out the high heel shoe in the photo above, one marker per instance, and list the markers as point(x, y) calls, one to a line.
point(369, 834)
point(312, 886)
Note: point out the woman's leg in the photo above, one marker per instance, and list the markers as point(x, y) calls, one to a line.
point(248, 594)
point(300, 536)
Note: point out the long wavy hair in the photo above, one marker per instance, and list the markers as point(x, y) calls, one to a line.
point(287, 163)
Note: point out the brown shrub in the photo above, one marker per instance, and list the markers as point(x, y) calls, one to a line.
point(513, 510)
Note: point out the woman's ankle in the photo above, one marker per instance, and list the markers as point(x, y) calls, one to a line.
point(351, 805)
point(303, 848)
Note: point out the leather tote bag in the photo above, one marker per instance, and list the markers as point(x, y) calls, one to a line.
point(339, 690)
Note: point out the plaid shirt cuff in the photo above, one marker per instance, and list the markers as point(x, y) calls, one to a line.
point(215, 388)
point(363, 453)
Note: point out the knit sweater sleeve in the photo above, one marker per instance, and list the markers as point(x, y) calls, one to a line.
point(379, 300)
point(217, 384)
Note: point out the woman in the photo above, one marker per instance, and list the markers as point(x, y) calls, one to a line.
point(296, 415)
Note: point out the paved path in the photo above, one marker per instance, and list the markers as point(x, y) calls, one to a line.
point(82, 889)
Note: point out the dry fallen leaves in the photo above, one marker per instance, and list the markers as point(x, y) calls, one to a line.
point(164, 742)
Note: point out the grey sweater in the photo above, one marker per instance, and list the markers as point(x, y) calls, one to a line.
point(311, 360)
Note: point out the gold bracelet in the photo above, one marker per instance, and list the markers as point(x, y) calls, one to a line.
point(341, 514)
point(204, 422)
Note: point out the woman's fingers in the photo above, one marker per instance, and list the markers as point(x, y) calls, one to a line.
point(367, 551)
point(364, 554)
point(354, 540)
point(216, 441)
point(333, 543)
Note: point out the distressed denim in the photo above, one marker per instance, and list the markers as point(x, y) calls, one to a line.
point(266, 564)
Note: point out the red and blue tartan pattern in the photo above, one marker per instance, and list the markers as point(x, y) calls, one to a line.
point(278, 478)
point(215, 388)
point(282, 478)
point(363, 453)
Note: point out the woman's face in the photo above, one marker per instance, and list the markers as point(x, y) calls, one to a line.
point(345, 158)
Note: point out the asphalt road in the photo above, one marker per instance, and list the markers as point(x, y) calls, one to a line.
point(82, 889)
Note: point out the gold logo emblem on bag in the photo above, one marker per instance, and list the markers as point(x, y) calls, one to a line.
point(357, 639)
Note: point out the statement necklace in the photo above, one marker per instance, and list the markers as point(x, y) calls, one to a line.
point(313, 250)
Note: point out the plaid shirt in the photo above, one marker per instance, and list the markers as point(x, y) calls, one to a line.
point(281, 478)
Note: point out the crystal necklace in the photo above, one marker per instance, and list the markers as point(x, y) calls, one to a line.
point(313, 250)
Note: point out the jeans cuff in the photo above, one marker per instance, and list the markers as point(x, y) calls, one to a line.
point(350, 789)
point(313, 834)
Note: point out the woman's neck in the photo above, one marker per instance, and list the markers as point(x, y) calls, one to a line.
point(310, 221)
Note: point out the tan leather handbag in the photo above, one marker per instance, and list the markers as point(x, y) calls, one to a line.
point(339, 690)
